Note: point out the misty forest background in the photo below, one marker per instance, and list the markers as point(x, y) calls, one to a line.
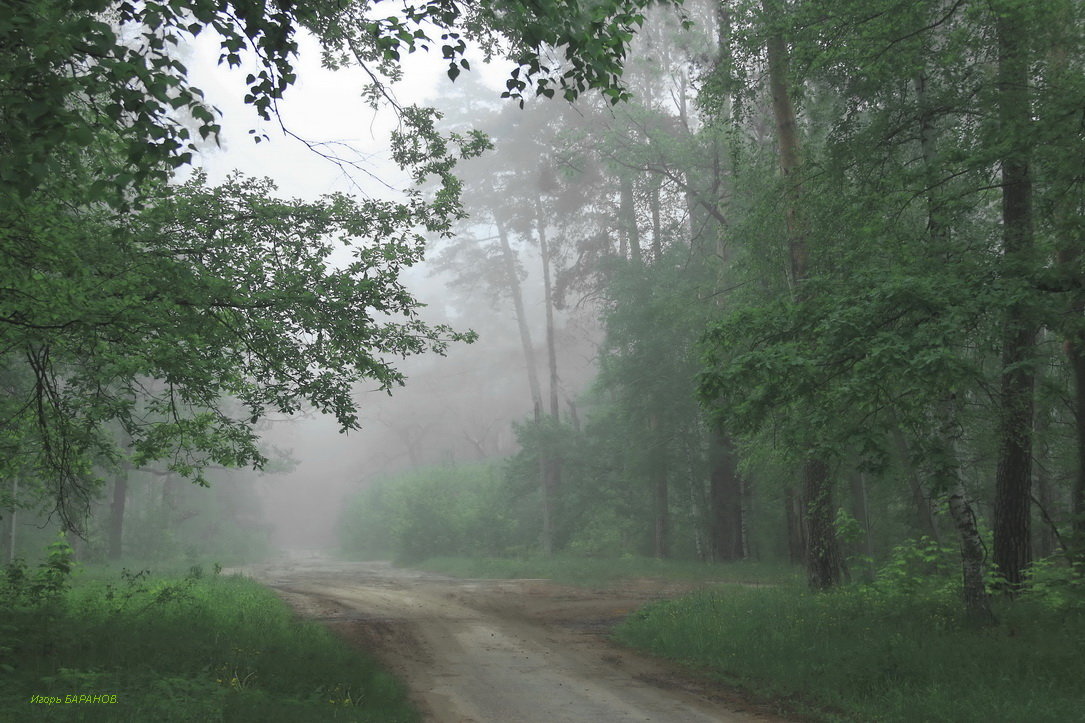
point(792, 284)
point(814, 289)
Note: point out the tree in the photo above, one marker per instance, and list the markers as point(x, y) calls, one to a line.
point(947, 122)
point(836, 367)
point(98, 112)
point(1012, 552)
point(1057, 141)
point(81, 65)
point(217, 293)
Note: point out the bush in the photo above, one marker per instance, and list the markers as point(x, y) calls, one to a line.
point(442, 510)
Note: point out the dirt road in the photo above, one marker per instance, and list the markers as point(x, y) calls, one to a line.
point(500, 651)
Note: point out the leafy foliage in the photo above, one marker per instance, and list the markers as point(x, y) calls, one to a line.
point(46, 587)
point(82, 65)
point(130, 310)
point(146, 322)
point(440, 510)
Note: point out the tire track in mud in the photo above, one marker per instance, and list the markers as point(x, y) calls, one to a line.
point(501, 651)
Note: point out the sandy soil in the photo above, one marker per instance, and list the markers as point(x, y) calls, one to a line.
point(502, 651)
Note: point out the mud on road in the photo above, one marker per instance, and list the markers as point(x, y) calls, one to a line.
point(502, 651)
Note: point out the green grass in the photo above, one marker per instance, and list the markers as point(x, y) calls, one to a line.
point(860, 655)
point(206, 648)
point(590, 571)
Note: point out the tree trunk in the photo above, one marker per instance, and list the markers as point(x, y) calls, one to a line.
point(796, 538)
point(1013, 482)
point(660, 490)
point(657, 225)
point(821, 556)
point(1074, 353)
point(787, 138)
point(947, 473)
point(976, 600)
point(936, 229)
point(552, 466)
point(628, 217)
point(509, 259)
point(546, 501)
point(860, 509)
point(574, 418)
point(921, 501)
point(551, 344)
point(116, 515)
point(725, 500)
point(728, 533)
point(171, 485)
point(1061, 71)
point(1046, 540)
point(697, 521)
point(13, 518)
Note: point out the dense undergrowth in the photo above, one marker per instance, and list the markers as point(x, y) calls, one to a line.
point(194, 647)
point(860, 655)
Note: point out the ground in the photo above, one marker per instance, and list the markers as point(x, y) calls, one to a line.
point(490, 651)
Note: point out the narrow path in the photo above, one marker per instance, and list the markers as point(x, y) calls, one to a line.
point(500, 651)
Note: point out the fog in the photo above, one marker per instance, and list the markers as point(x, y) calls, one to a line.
point(759, 329)
point(453, 408)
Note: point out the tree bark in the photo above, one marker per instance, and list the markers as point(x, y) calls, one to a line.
point(1013, 481)
point(821, 555)
point(787, 138)
point(1074, 353)
point(947, 474)
point(976, 600)
point(921, 501)
point(516, 293)
point(116, 515)
point(546, 503)
point(172, 514)
point(1067, 214)
point(657, 224)
point(551, 343)
point(725, 500)
point(860, 507)
point(660, 489)
point(823, 566)
point(552, 464)
point(796, 536)
point(628, 220)
point(728, 532)
point(13, 518)
point(1046, 541)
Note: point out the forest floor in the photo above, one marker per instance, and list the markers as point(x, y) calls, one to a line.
point(480, 651)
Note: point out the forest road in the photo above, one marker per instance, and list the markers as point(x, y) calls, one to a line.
point(501, 651)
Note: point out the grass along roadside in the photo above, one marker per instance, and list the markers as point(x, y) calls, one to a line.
point(591, 571)
point(202, 647)
point(898, 650)
point(860, 655)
